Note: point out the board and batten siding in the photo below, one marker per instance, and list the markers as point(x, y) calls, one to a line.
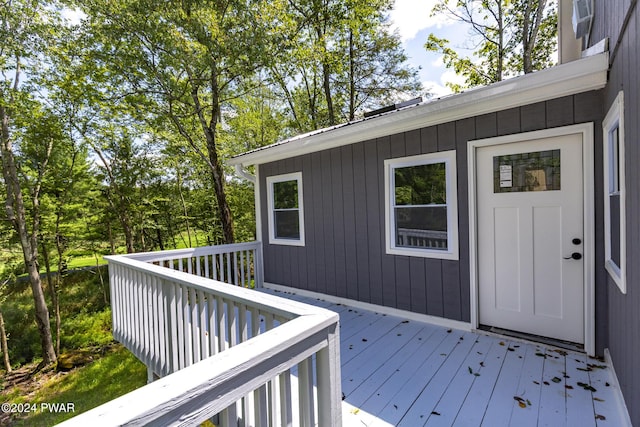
point(621, 24)
point(344, 214)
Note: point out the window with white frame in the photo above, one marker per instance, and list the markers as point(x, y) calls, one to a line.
point(285, 209)
point(614, 193)
point(421, 213)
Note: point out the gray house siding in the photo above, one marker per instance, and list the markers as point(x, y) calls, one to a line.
point(343, 192)
point(623, 321)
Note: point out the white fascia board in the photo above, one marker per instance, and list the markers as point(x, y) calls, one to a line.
point(574, 77)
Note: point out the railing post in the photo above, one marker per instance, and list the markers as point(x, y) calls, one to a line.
point(329, 381)
point(259, 266)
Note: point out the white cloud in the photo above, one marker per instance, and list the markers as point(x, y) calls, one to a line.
point(438, 62)
point(409, 17)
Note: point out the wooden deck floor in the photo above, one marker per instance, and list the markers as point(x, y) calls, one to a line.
point(397, 372)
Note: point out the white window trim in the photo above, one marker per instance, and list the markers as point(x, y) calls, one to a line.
point(449, 159)
point(296, 176)
point(615, 118)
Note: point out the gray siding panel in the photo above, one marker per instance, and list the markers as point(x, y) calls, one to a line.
point(338, 223)
point(533, 117)
point(362, 236)
point(373, 171)
point(560, 112)
point(621, 317)
point(345, 254)
point(388, 262)
point(351, 285)
point(508, 121)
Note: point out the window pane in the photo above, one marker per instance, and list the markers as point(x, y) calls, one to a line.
point(614, 156)
point(285, 194)
point(538, 171)
point(422, 227)
point(421, 185)
point(287, 224)
point(614, 203)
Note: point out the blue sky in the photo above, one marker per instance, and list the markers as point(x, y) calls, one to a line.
point(412, 20)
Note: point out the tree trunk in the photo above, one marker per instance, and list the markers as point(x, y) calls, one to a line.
point(352, 84)
point(16, 214)
point(217, 174)
point(5, 346)
point(53, 291)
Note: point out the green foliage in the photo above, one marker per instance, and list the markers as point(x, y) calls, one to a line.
point(86, 316)
point(509, 37)
point(113, 375)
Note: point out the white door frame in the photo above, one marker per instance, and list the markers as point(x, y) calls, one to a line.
point(586, 130)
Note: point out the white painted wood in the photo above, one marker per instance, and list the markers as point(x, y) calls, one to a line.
point(449, 159)
point(197, 313)
point(525, 284)
point(405, 314)
point(615, 119)
point(610, 403)
point(586, 130)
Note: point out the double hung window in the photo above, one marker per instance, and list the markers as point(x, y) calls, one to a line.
point(421, 207)
point(285, 209)
point(614, 193)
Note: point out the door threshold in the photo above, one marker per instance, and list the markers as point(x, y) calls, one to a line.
point(551, 342)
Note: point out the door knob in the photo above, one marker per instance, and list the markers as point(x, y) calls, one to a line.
point(575, 255)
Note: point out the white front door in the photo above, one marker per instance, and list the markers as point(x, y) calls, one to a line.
point(530, 237)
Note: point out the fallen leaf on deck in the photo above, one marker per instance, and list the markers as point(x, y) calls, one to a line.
point(587, 387)
point(482, 364)
point(546, 383)
point(449, 331)
point(501, 343)
point(541, 355)
point(569, 387)
point(556, 379)
point(522, 405)
point(518, 398)
point(600, 417)
point(355, 411)
point(597, 399)
point(364, 340)
point(596, 366)
point(536, 383)
point(405, 321)
point(435, 413)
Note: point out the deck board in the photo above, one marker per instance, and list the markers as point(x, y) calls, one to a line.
point(399, 372)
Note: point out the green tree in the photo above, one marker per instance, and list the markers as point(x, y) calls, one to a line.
point(511, 37)
point(182, 61)
point(28, 31)
point(337, 58)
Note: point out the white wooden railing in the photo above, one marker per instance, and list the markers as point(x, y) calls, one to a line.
point(409, 237)
point(228, 353)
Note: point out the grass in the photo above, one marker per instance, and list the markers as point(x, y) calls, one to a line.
point(114, 375)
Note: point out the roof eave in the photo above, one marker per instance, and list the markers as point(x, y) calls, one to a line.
point(579, 76)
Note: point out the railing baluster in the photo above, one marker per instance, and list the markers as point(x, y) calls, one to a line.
point(194, 325)
point(286, 412)
point(229, 267)
point(222, 325)
point(186, 325)
point(179, 322)
point(213, 331)
point(305, 393)
point(204, 325)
